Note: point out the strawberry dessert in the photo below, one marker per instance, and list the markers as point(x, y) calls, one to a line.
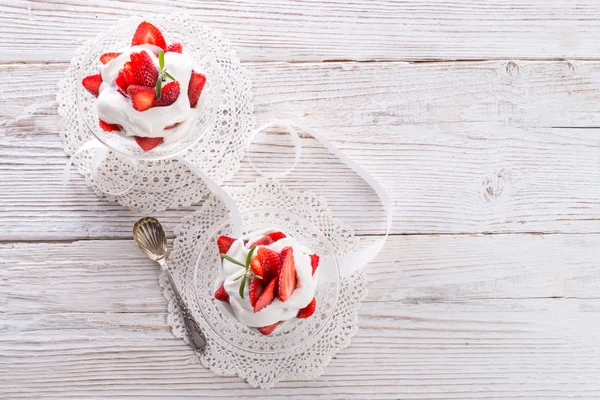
point(149, 91)
point(267, 278)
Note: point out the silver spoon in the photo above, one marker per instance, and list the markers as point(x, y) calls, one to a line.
point(150, 236)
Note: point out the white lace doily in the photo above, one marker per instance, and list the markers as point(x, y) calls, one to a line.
point(168, 183)
point(299, 350)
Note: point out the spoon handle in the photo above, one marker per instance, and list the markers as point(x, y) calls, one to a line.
point(194, 333)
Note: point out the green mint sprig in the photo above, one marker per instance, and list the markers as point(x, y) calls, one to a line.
point(248, 274)
point(162, 74)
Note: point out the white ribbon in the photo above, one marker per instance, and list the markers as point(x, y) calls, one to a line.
point(348, 263)
point(351, 262)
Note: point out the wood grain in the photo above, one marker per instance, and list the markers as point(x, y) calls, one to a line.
point(113, 276)
point(279, 30)
point(477, 349)
point(477, 147)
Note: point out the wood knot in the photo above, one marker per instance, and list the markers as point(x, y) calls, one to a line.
point(513, 70)
point(493, 185)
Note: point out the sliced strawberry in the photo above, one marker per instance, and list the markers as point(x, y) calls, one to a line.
point(256, 289)
point(287, 276)
point(109, 127)
point(145, 71)
point(267, 330)
point(92, 84)
point(263, 241)
point(224, 243)
point(197, 82)
point(275, 236)
point(266, 296)
point(126, 76)
point(106, 57)
point(270, 262)
point(147, 143)
point(170, 93)
point(148, 33)
point(308, 310)
point(142, 97)
point(314, 262)
point(221, 294)
point(284, 252)
point(256, 267)
point(171, 126)
point(174, 48)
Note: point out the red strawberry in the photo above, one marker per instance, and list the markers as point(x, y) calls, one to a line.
point(197, 82)
point(256, 267)
point(174, 48)
point(170, 93)
point(92, 84)
point(224, 243)
point(109, 127)
point(145, 71)
point(106, 57)
point(270, 262)
point(148, 33)
point(308, 310)
point(221, 294)
point(266, 296)
point(314, 262)
point(126, 76)
point(267, 330)
point(287, 276)
point(263, 241)
point(284, 251)
point(171, 126)
point(275, 236)
point(142, 97)
point(147, 143)
point(255, 291)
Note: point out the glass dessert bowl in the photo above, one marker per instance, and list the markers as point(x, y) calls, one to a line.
point(149, 89)
point(261, 321)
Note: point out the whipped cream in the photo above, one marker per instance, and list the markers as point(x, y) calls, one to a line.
point(115, 108)
point(276, 311)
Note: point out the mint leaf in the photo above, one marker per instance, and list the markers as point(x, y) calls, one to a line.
point(161, 59)
point(158, 88)
point(249, 257)
point(169, 75)
point(233, 260)
point(243, 284)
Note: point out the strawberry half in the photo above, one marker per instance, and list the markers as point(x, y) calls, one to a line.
point(197, 82)
point(255, 291)
point(109, 127)
point(270, 262)
point(287, 276)
point(263, 241)
point(148, 33)
point(148, 143)
point(170, 93)
point(267, 330)
point(308, 310)
point(221, 294)
point(106, 57)
point(275, 236)
point(92, 84)
point(314, 262)
point(284, 251)
point(126, 76)
point(256, 267)
point(171, 126)
point(145, 71)
point(224, 243)
point(142, 97)
point(266, 296)
point(174, 48)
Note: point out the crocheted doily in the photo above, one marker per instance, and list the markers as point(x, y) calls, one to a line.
point(167, 183)
point(299, 349)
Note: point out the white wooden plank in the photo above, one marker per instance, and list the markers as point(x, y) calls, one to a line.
point(461, 148)
point(478, 349)
point(333, 30)
point(113, 276)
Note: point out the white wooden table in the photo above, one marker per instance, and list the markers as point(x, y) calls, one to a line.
point(482, 120)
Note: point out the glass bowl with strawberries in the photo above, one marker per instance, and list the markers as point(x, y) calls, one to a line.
point(272, 289)
point(149, 89)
